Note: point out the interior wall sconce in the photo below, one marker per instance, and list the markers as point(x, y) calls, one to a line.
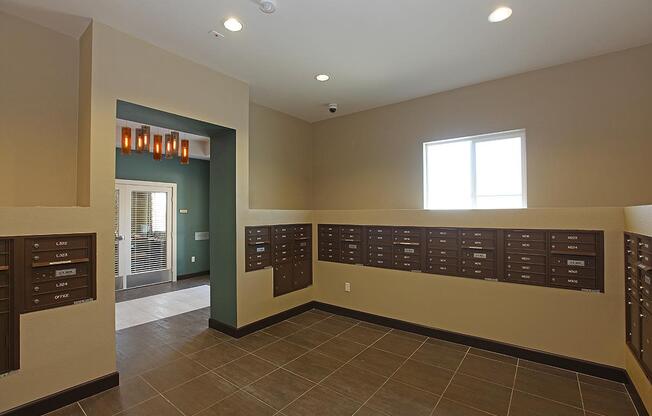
point(126, 141)
point(185, 152)
point(158, 147)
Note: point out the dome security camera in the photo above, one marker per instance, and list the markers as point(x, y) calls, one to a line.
point(267, 6)
point(332, 108)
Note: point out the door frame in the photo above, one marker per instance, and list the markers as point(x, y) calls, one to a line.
point(173, 213)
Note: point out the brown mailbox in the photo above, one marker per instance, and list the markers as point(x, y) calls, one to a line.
point(8, 316)
point(59, 270)
point(258, 248)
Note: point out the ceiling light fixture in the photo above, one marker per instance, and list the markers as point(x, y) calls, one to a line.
point(267, 6)
point(500, 14)
point(322, 77)
point(233, 24)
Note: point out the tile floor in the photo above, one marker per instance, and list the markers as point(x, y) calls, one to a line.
point(321, 364)
point(152, 308)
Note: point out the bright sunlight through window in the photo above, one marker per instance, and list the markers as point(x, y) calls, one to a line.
point(479, 172)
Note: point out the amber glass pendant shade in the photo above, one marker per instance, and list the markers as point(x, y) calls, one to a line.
point(185, 152)
point(168, 146)
point(126, 141)
point(147, 138)
point(139, 141)
point(158, 147)
point(175, 143)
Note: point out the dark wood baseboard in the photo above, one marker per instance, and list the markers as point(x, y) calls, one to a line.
point(261, 324)
point(191, 275)
point(65, 397)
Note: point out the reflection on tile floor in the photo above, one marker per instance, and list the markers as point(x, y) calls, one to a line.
point(152, 308)
point(322, 364)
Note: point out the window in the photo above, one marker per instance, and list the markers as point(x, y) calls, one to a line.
point(479, 172)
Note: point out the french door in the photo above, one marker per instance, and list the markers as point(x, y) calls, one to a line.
point(145, 233)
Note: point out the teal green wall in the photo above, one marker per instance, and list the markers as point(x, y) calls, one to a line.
point(193, 189)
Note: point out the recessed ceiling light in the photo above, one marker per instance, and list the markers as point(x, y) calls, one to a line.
point(233, 24)
point(500, 14)
point(322, 77)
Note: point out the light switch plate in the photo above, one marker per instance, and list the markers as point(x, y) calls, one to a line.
point(201, 236)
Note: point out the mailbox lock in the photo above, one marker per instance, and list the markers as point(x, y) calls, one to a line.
point(36, 257)
point(36, 245)
point(36, 288)
point(36, 301)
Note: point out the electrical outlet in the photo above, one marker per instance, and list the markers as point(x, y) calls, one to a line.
point(347, 287)
point(193, 259)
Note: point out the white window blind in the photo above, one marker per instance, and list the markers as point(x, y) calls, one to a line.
point(148, 232)
point(479, 172)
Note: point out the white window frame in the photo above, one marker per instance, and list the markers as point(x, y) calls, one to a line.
point(477, 139)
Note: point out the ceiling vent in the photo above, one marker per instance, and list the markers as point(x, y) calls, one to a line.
point(267, 6)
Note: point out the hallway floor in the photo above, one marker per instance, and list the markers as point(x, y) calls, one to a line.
point(322, 364)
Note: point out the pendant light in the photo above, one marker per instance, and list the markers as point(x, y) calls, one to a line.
point(185, 152)
point(168, 146)
point(175, 143)
point(139, 141)
point(158, 147)
point(126, 141)
point(146, 138)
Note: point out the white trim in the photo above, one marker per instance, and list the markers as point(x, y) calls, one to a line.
point(510, 134)
point(172, 214)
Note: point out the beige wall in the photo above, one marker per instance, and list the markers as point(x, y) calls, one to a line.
point(588, 137)
point(280, 160)
point(38, 115)
point(639, 220)
point(582, 325)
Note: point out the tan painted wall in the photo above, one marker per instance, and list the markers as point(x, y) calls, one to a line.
point(638, 220)
point(587, 326)
point(38, 105)
point(280, 160)
point(588, 137)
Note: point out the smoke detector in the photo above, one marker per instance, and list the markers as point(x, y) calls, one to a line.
point(267, 6)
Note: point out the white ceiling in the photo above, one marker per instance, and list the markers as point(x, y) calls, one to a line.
point(377, 51)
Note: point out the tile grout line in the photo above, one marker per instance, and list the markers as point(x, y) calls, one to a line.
point(579, 388)
point(441, 396)
point(392, 375)
point(511, 394)
point(82, 409)
point(164, 398)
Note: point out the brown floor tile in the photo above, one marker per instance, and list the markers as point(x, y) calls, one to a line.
point(192, 344)
point(340, 349)
point(508, 359)
point(551, 387)
point(70, 410)
point(398, 344)
point(172, 374)
point(435, 354)
point(524, 404)
point(354, 383)
point(306, 318)
point(448, 344)
point(245, 370)
point(254, 341)
point(157, 406)
point(398, 399)
point(488, 370)
point(239, 404)
point(377, 327)
point(283, 329)
point(308, 338)
point(600, 382)
point(332, 326)
point(218, 355)
point(606, 402)
point(479, 394)
point(200, 393)
point(377, 361)
point(560, 372)
point(129, 393)
point(279, 388)
point(424, 376)
point(361, 335)
point(281, 352)
point(368, 411)
point(321, 401)
point(450, 408)
point(146, 360)
point(410, 335)
point(314, 366)
point(320, 312)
